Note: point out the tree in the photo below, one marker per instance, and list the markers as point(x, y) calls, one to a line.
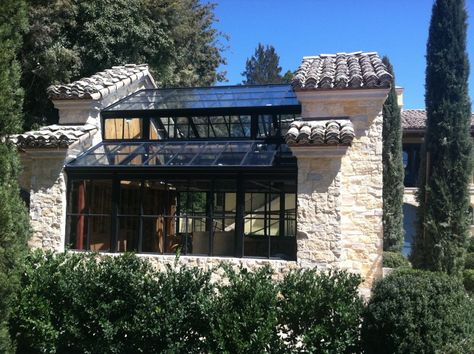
point(70, 39)
point(445, 172)
point(393, 171)
point(14, 229)
point(263, 67)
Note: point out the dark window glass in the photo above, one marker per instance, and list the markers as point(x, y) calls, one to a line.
point(411, 163)
point(198, 216)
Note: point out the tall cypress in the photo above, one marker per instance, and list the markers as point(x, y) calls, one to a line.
point(393, 172)
point(446, 169)
point(14, 223)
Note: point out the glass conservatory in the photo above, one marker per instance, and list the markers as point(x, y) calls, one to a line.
point(202, 171)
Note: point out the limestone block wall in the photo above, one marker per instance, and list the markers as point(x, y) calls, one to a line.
point(47, 199)
point(340, 188)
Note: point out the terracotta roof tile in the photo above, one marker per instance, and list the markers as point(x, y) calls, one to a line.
point(52, 136)
point(320, 132)
point(343, 71)
point(415, 119)
point(98, 85)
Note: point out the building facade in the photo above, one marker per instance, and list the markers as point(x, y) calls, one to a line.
point(284, 175)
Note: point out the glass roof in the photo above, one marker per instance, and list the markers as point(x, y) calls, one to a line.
point(167, 154)
point(207, 98)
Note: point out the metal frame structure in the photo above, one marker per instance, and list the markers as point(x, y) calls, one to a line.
point(280, 165)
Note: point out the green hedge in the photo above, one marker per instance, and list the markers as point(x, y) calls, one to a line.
point(83, 303)
point(468, 280)
point(469, 263)
point(76, 303)
point(414, 311)
point(395, 260)
point(321, 313)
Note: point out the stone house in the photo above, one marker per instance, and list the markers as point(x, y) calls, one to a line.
point(286, 175)
point(414, 126)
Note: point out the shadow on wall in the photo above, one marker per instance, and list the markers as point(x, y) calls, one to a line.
point(409, 225)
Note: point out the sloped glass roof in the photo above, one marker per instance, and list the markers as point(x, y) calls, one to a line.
point(167, 154)
point(217, 97)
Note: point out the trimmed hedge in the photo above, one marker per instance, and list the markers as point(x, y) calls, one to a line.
point(245, 314)
point(469, 262)
point(395, 260)
point(413, 311)
point(468, 280)
point(78, 303)
point(320, 313)
point(85, 303)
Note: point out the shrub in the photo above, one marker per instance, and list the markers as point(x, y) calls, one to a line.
point(245, 316)
point(470, 244)
point(414, 311)
point(468, 276)
point(83, 303)
point(320, 313)
point(395, 260)
point(469, 262)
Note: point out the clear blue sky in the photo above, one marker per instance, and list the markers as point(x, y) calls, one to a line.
point(397, 28)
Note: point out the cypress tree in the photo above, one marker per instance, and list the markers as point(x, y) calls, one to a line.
point(445, 172)
point(14, 224)
point(393, 172)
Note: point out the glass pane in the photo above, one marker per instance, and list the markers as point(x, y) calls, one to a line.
point(209, 97)
point(259, 159)
point(101, 197)
point(123, 128)
point(230, 159)
point(78, 199)
point(130, 192)
point(76, 228)
point(99, 233)
point(153, 234)
point(155, 197)
point(128, 232)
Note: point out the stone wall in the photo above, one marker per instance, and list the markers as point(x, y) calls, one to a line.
point(340, 189)
point(47, 199)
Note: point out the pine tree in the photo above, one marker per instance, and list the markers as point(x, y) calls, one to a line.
point(445, 172)
point(14, 224)
point(393, 172)
point(263, 67)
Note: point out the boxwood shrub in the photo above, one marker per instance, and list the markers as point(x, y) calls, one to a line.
point(80, 303)
point(244, 313)
point(395, 260)
point(413, 311)
point(320, 312)
point(86, 303)
point(468, 280)
point(469, 263)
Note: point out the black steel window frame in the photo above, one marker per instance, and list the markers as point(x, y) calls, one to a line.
point(286, 174)
point(261, 128)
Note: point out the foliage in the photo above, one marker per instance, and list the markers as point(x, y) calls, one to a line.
point(245, 313)
point(468, 279)
point(470, 244)
point(69, 39)
point(320, 312)
point(469, 261)
point(443, 194)
point(14, 229)
point(414, 311)
point(80, 303)
point(83, 303)
point(395, 260)
point(393, 172)
point(263, 67)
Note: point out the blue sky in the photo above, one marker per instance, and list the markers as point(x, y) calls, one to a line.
point(397, 28)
